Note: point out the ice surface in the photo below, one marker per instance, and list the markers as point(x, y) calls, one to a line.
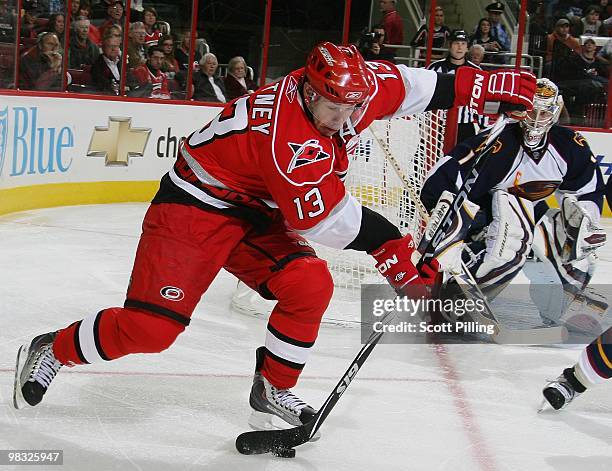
point(412, 407)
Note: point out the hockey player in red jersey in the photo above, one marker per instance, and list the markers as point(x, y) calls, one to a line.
point(246, 193)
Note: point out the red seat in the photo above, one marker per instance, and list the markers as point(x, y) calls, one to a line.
point(81, 76)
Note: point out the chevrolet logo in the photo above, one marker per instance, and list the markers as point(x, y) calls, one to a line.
point(118, 141)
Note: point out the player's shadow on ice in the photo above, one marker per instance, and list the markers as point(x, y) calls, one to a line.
point(574, 417)
point(572, 463)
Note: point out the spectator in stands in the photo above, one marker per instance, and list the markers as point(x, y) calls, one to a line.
point(590, 25)
point(485, 37)
point(114, 15)
point(28, 24)
point(106, 71)
point(604, 9)
point(371, 45)
point(182, 50)
point(8, 20)
point(150, 81)
point(237, 83)
point(498, 30)
point(113, 31)
point(583, 80)
point(440, 34)
point(593, 65)
point(476, 54)
point(76, 6)
point(57, 25)
point(84, 9)
point(41, 66)
point(136, 45)
point(209, 87)
point(559, 46)
point(82, 51)
point(392, 22)
point(149, 19)
point(85, 12)
point(170, 65)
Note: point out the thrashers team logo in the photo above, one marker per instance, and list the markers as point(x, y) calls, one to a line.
point(307, 153)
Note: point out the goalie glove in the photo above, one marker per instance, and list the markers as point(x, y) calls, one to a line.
point(394, 261)
point(494, 92)
point(577, 230)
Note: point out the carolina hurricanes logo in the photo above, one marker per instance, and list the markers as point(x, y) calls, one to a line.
point(305, 154)
point(291, 91)
point(172, 293)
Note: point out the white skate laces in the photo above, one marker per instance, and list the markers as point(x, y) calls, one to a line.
point(284, 398)
point(565, 389)
point(45, 366)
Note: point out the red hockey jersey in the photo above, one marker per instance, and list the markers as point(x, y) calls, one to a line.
point(264, 146)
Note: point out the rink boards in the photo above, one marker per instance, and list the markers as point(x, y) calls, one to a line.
point(67, 151)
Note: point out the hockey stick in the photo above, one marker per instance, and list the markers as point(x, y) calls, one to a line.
point(281, 442)
point(465, 280)
point(466, 187)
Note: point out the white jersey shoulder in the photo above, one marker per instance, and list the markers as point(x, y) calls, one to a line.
point(420, 85)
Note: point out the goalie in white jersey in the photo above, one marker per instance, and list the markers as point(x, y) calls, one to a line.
point(530, 160)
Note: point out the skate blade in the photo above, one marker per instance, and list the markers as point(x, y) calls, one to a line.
point(544, 406)
point(18, 400)
point(262, 421)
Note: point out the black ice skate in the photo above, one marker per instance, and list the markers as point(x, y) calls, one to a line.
point(560, 392)
point(36, 367)
point(269, 402)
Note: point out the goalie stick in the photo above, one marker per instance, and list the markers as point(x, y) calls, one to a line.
point(281, 442)
point(465, 279)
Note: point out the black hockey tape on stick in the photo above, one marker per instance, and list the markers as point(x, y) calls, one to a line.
point(278, 441)
point(462, 194)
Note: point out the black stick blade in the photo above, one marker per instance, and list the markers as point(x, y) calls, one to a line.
point(265, 441)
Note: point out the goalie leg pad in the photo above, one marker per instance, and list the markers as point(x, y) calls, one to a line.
point(554, 248)
point(509, 239)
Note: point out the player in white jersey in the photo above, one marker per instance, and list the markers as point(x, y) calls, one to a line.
point(530, 160)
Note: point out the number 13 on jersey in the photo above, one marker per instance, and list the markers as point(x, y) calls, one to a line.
point(311, 199)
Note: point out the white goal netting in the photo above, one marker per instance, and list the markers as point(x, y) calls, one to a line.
point(415, 144)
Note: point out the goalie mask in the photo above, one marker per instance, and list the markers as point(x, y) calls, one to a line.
point(336, 86)
point(547, 105)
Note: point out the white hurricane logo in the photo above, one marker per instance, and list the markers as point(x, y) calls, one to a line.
point(307, 153)
point(171, 293)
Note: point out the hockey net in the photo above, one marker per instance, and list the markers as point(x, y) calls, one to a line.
point(413, 145)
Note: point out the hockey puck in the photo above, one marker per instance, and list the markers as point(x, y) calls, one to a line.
point(284, 452)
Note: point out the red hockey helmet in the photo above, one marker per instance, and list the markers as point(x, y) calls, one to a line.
point(338, 73)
